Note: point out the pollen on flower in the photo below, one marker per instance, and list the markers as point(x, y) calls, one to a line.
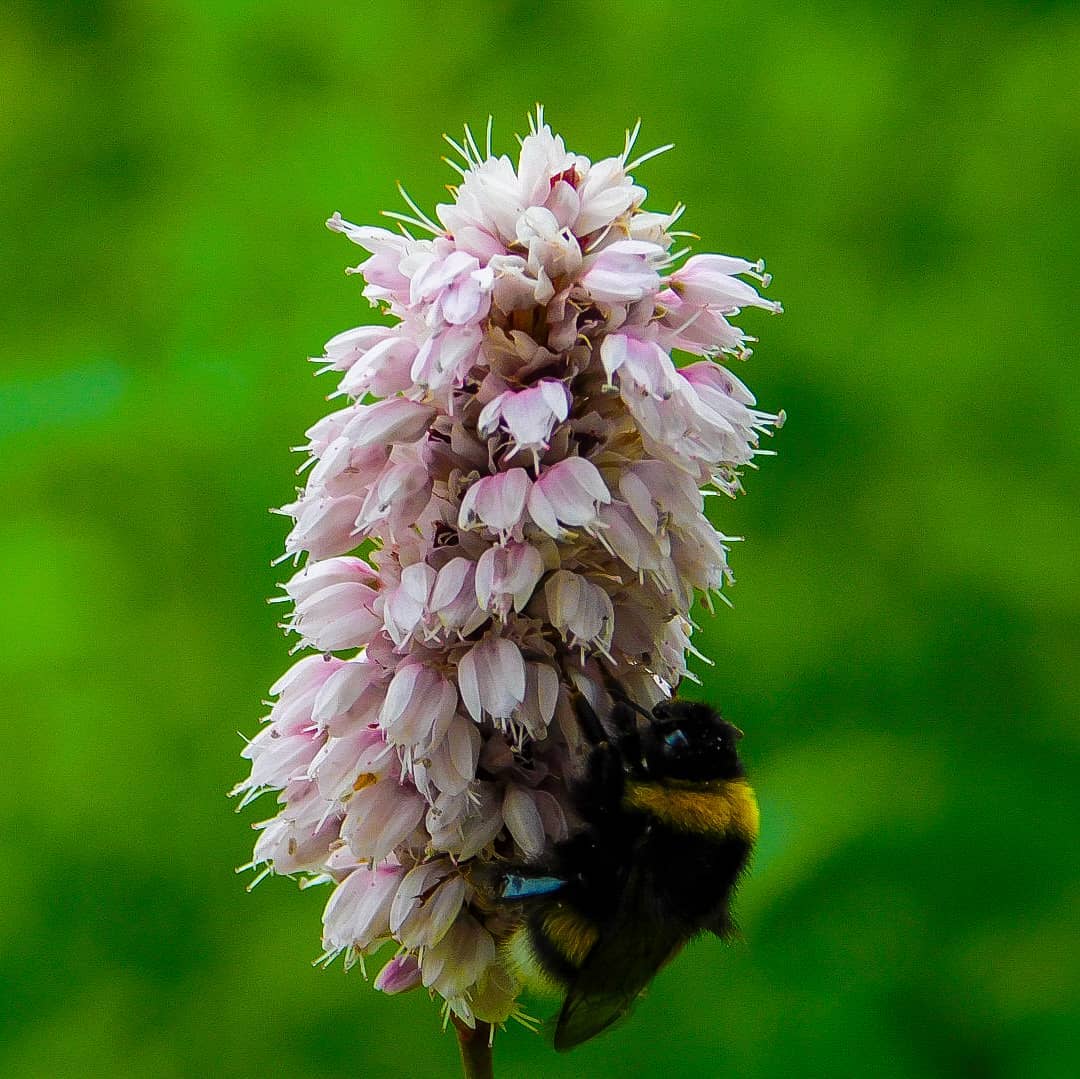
point(511, 494)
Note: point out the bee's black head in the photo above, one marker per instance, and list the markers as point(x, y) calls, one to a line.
point(688, 740)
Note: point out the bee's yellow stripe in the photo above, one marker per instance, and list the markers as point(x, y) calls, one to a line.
point(572, 934)
point(566, 931)
point(519, 955)
point(726, 807)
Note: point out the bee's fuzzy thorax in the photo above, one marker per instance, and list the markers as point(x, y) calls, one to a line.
point(721, 808)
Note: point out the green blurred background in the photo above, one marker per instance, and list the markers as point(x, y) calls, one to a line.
point(903, 647)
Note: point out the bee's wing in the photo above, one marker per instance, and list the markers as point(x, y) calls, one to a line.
point(622, 962)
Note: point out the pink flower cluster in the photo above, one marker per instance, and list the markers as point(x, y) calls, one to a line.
point(522, 463)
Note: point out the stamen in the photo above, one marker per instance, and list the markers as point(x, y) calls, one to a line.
point(472, 145)
point(599, 239)
point(326, 958)
point(460, 149)
point(412, 221)
point(649, 156)
point(691, 320)
point(259, 879)
point(458, 169)
point(416, 209)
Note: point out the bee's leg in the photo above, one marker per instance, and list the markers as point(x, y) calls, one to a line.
point(600, 793)
point(605, 778)
point(630, 749)
point(588, 720)
point(619, 695)
point(624, 715)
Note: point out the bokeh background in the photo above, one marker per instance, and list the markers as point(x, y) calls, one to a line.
point(903, 650)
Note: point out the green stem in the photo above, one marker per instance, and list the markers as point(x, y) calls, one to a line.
point(475, 1046)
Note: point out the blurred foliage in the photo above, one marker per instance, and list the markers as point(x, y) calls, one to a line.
point(904, 642)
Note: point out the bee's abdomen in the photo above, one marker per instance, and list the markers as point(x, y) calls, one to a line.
point(548, 949)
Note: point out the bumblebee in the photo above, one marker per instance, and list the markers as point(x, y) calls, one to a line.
point(669, 822)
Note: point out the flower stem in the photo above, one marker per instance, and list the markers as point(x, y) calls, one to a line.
point(475, 1048)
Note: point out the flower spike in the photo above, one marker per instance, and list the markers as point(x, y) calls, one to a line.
point(508, 504)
